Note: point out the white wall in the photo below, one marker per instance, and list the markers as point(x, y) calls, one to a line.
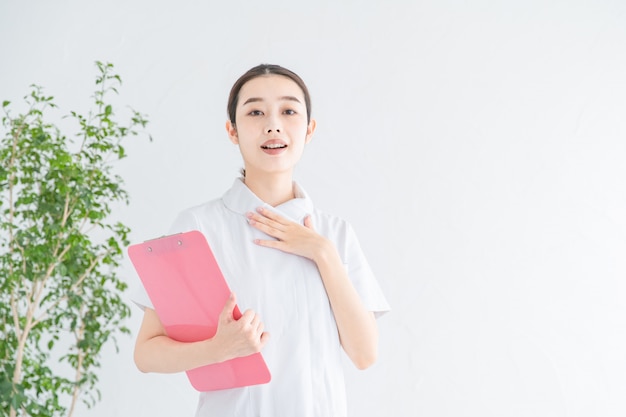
point(477, 147)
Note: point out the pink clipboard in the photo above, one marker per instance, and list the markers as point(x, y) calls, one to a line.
point(188, 291)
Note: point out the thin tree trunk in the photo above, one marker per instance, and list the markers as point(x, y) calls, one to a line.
point(79, 364)
point(17, 373)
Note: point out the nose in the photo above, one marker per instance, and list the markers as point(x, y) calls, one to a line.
point(273, 126)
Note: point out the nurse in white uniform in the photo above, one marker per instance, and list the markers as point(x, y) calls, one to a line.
point(300, 273)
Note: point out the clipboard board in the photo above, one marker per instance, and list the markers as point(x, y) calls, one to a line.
point(188, 291)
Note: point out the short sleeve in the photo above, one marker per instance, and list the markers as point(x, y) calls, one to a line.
point(184, 222)
point(140, 297)
point(361, 274)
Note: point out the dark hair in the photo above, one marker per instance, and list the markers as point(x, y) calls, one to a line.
point(265, 69)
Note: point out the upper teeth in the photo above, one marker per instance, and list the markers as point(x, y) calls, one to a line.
point(274, 146)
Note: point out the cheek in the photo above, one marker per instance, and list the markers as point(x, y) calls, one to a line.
point(246, 131)
point(299, 128)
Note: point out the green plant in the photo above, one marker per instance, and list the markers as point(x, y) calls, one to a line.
point(60, 297)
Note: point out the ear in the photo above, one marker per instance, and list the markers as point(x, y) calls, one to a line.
point(309, 131)
point(231, 129)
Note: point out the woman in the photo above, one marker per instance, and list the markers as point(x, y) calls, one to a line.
point(300, 272)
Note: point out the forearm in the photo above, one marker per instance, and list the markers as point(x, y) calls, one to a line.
point(357, 326)
point(164, 355)
point(156, 352)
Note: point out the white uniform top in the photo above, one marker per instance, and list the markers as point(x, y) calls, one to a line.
point(303, 352)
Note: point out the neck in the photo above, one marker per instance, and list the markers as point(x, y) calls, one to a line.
point(274, 189)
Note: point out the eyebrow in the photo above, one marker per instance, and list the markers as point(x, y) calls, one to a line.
point(257, 99)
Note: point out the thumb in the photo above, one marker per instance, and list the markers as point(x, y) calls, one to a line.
point(227, 311)
point(308, 222)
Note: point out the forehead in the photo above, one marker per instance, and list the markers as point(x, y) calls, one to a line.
point(270, 87)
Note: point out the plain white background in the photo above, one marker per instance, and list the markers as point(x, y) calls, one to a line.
point(478, 148)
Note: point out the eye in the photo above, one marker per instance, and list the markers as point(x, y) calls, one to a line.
point(289, 112)
point(256, 113)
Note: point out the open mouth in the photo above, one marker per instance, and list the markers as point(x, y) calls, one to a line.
point(274, 146)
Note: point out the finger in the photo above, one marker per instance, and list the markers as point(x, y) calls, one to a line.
point(308, 222)
point(247, 317)
point(268, 230)
point(227, 311)
point(274, 218)
point(271, 215)
point(256, 320)
point(274, 244)
point(265, 336)
point(265, 224)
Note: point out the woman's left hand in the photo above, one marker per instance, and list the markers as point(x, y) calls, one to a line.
point(292, 237)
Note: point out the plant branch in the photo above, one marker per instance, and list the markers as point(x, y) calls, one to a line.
point(79, 364)
point(15, 313)
point(66, 210)
point(13, 300)
point(73, 288)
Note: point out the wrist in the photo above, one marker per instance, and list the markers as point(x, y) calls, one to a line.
point(325, 252)
point(213, 351)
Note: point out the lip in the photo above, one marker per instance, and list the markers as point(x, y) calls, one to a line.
point(274, 151)
point(273, 142)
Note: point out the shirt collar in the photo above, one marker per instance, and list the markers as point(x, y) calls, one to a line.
point(241, 200)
